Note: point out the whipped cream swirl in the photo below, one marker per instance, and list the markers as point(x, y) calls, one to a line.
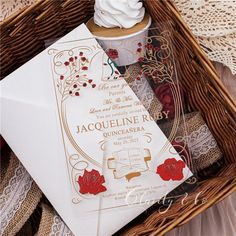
point(118, 13)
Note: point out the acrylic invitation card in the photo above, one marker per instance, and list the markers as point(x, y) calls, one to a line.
point(85, 137)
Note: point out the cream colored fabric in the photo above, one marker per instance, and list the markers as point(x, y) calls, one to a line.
point(219, 220)
point(214, 24)
point(227, 78)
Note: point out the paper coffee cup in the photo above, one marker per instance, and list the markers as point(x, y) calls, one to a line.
point(123, 46)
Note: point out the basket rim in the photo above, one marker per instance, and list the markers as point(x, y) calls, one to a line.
point(218, 85)
point(169, 4)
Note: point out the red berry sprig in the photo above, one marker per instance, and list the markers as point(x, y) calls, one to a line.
point(77, 78)
point(139, 49)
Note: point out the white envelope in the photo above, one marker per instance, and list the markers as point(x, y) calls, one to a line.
point(32, 127)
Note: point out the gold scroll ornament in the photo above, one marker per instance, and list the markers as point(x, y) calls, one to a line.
point(129, 163)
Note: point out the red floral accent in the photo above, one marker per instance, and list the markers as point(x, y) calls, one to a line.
point(171, 170)
point(84, 68)
point(83, 58)
point(91, 182)
point(149, 46)
point(75, 77)
point(113, 54)
point(165, 96)
point(141, 59)
point(140, 44)
point(139, 50)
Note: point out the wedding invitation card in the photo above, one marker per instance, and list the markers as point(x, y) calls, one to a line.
point(86, 139)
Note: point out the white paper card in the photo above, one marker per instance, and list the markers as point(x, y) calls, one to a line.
point(85, 138)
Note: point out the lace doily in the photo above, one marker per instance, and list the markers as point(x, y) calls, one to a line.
point(7, 7)
point(221, 49)
point(209, 18)
point(214, 24)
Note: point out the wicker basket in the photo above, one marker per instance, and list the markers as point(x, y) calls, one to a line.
point(23, 36)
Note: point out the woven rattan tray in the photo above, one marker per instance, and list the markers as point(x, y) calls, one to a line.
point(23, 36)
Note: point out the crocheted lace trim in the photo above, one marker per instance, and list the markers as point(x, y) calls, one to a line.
point(214, 24)
point(59, 228)
point(14, 195)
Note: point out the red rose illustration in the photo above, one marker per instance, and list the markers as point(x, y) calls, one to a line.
point(171, 169)
point(91, 182)
point(113, 54)
point(165, 96)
